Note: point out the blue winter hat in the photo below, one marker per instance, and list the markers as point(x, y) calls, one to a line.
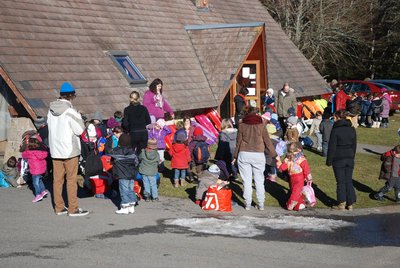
point(67, 89)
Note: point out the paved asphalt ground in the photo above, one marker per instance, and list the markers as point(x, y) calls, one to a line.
point(32, 235)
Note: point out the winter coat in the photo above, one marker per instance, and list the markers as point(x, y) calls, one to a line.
point(11, 172)
point(65, 126)
point(326, 128)
point(340, 100)
point(159, 135)
point(180, 156)
point(253, 137)
point(354, 106)
point(240, 103)
point(150, 103)
point(376, 106)
point(226, 145)
point(283, 103)
point(386, 108)
point(342, 142)
point(387, 164)
point(292, 134)
point(111, 143)
point(124, 162)
point(36, 161)
point(149, 160)
point(136, 118)
point(365, 107)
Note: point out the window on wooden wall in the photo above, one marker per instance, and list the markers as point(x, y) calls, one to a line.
point(201, 4)
point(127, 67)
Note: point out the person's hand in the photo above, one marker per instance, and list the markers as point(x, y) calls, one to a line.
point(233, 161)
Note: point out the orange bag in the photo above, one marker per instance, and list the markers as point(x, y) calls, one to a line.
point(218, 199)
point(137, 189)
point(106, 160)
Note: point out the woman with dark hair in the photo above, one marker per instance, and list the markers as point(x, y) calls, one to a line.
point(240, 103)
point(155, 102)
point(136, 118)
point(341, 153)
point(252, 141)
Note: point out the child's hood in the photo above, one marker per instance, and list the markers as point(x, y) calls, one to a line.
point(150, 154)
point(178, 147)
point(229, 134)
point(34, 154)
point(58, 107)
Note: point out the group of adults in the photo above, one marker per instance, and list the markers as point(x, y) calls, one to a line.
point(65, 126)
point(253, 141)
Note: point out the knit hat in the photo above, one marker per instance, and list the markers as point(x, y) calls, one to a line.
point(98, 116)
point(292, 120)
point(291, 111)
point(161, 122)
point(67, 89)
point(271, 129)
point(214, 169)
point(197, 131)
point(270, 90)
point(91, 130)
point(39, 121)
point(224, 174)
point(112, 123)
point(152, 144)
point(124, 140)
point(181, 136)
point(274, 116)
point(267, 116)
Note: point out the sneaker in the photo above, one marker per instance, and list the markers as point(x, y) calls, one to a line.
point(183, 183)
point(62, 212)
point(350, 208)
point(247, 207)
point(79, 212)
point(124, 210)
point(155, 199)
point(260, 208)
point(131, 208)
point(37, 198)
point(146, 198)
point(44, 193)
point(379, 197)
point(176, 183)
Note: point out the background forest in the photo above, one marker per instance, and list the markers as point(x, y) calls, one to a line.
point(344, 39)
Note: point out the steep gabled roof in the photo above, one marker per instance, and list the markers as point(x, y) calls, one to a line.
point(44, 43)
point(221, 49)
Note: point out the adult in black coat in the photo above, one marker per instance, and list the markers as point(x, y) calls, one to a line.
point(240, 102)
point(136, 118)
point(341, 153)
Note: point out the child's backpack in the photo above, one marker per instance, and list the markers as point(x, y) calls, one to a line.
point(309, 194)
point(306, 141)
point(201, 152)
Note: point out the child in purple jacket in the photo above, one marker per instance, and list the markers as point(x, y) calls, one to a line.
point(36, 155)
point(158, 131)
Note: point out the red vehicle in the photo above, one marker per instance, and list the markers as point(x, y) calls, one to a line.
point(368, 87)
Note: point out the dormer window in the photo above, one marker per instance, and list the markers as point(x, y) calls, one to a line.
point(126, 66)
point(202, 4)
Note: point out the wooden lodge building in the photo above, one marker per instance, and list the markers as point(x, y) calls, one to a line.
point(201, 50)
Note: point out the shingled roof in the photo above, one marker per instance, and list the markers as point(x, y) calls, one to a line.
point(44, 43)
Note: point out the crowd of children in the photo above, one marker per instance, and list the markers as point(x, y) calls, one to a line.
point(190, 149)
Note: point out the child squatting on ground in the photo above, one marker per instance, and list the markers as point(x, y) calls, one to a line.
point(9, 172)
point(390, 171)
point(148, 167)
point(125, 163)
point(297, 166)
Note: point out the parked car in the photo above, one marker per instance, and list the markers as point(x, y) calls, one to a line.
point(368, 87)
point(395, 84)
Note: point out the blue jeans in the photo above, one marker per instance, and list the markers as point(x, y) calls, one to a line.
point(126, 191)
point(38, 184)
point(180, 171)
point(150, 186)
point(325, 148)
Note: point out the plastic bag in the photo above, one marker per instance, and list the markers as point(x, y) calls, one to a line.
point(309, 195)
point(218, 199)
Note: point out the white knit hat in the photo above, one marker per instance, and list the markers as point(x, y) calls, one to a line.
point(214, 169)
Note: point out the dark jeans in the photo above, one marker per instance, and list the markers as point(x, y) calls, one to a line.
point(325, 148)
point(282, 121)
point(343, 170)
point(393, 182)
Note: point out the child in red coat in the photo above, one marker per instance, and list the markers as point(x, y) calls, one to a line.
point(297, 166)
point(36, 154)
point(180, 158)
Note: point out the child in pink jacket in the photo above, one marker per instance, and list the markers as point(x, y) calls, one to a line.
point(36, 155)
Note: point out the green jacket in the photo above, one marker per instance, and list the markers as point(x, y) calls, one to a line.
point(283, 103)
point(149, 160)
